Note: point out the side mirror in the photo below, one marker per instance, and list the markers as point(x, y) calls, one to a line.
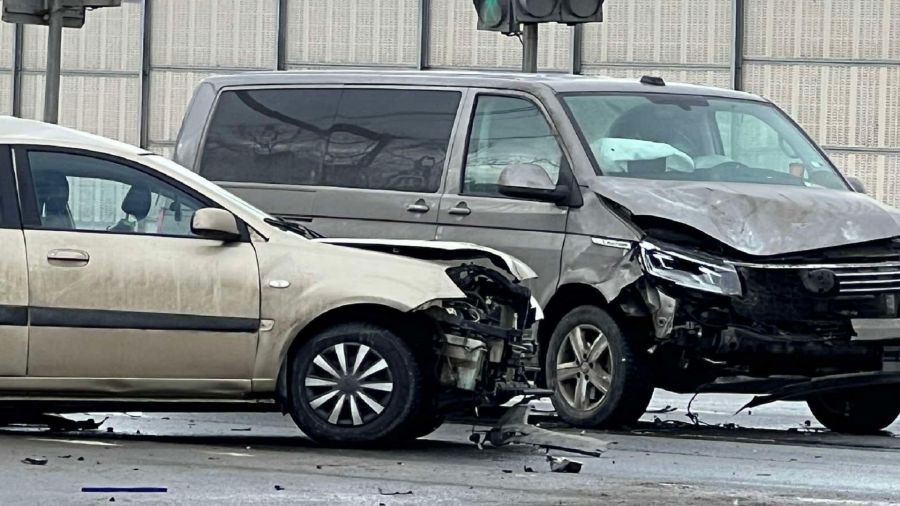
point(529, 181)
point(216, 224)
point(857, 184)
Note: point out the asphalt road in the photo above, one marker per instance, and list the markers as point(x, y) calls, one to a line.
point(770, 456)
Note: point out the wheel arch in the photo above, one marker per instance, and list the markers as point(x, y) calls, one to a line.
point(409, 326)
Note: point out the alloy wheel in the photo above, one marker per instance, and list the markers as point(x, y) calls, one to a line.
point(349, 384)
point(584, 368)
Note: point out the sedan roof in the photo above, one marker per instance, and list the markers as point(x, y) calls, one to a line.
point(26, 131)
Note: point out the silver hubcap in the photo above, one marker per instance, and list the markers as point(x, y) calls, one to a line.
point(584, 368)
point(349, 384)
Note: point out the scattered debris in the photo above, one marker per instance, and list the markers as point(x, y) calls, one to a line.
point(528, 469)
point(507, 471)
point(513, 427)
point(563, 465)
point(110, 429)
point(241, 430)
point(382, 492)
point(34, 462)
point(80, 459)
point(662, 411)
point(279, 487)
point(64, 456)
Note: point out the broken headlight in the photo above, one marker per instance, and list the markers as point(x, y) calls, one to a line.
point(690, 271)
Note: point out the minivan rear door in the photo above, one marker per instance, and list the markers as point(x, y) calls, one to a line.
point(347, 161)
point(505, 129)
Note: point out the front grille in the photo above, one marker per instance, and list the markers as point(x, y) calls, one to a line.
point(854, 278)
point(868, 278)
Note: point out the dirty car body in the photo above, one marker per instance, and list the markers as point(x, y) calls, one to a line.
point(132, 282)
point(685, 237)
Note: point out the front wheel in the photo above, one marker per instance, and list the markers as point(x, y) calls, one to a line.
point(355, 384)
point(856, 412)
point(600, 378)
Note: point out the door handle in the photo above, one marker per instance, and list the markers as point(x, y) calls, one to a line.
point(68, 255)
point(461, 209)
point(419, 207)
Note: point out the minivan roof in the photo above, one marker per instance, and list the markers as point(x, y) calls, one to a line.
point(558, 83)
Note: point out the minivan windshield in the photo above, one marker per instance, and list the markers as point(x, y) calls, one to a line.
point(697, 138)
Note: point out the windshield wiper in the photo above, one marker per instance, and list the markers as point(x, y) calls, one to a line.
point(294, 227)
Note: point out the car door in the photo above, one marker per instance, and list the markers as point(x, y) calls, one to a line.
point(346, 161)
point(506, 129)
point(14, 287)
point(120, 288)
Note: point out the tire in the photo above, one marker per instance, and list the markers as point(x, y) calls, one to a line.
point(856, 412)
point(620, 367)
point(372, 414)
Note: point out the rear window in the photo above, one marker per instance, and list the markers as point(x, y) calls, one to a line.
point(358, 138)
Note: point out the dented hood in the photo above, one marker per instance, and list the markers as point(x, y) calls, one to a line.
point(757, 219)
point(440, 250)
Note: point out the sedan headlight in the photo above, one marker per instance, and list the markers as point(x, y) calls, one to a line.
point(689, 271)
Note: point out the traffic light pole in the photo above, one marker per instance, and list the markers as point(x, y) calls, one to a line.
point(530, 43)
point(54, 61)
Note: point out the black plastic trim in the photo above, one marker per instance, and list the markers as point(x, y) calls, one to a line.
point(9, 202)
point(13, 316)
point(106, 319)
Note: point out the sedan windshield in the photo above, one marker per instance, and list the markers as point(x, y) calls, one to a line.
point(695, 138)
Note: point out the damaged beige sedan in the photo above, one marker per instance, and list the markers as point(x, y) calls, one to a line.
point(132, 283)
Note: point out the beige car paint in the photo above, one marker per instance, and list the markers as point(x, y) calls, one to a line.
point(193, 276)
point(322, 278)
point(13, 292)
point(142, 273)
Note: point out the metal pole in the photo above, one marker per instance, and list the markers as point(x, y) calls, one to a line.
point(18, 66)
point(577, 48)
point(54, 62)
point(530, 51)
point(146, 45)
point(424, 33)
point(737, 44)
point(281, 39)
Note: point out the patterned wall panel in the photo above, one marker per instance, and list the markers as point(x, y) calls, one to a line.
point(109, 41)
point(214, 33)
point(456, 43)
point(362, 32)
point(104, 105)
point(879, 172)
point(840, 29)
point(5, 92)
point(695, 32)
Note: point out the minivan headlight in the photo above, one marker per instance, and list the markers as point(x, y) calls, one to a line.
point(689, 271)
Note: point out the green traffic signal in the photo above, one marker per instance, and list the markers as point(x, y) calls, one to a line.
point(490, 12)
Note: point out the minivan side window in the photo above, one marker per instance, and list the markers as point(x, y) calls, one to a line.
point(383, 139)
point(505, 131)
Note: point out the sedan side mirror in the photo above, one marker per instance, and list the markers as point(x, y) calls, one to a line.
point(530, 181)
point(857, 184)
point(216, 224)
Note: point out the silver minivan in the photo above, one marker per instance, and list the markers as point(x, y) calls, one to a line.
point(686, 238)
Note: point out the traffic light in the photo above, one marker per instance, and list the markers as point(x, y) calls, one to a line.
point(496, 16)
point(581, 11)
point(559, 11)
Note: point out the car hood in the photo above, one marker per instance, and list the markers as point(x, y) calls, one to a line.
point(440, 250)
point(757, 219)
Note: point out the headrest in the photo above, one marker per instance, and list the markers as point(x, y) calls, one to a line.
point(137, 202)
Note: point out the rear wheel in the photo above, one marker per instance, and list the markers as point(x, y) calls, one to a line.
point(355, 384)
point(599, 377)
point(856, 412)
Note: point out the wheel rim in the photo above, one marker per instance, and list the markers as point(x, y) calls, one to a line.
point(584, 368)
point(348, 384)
